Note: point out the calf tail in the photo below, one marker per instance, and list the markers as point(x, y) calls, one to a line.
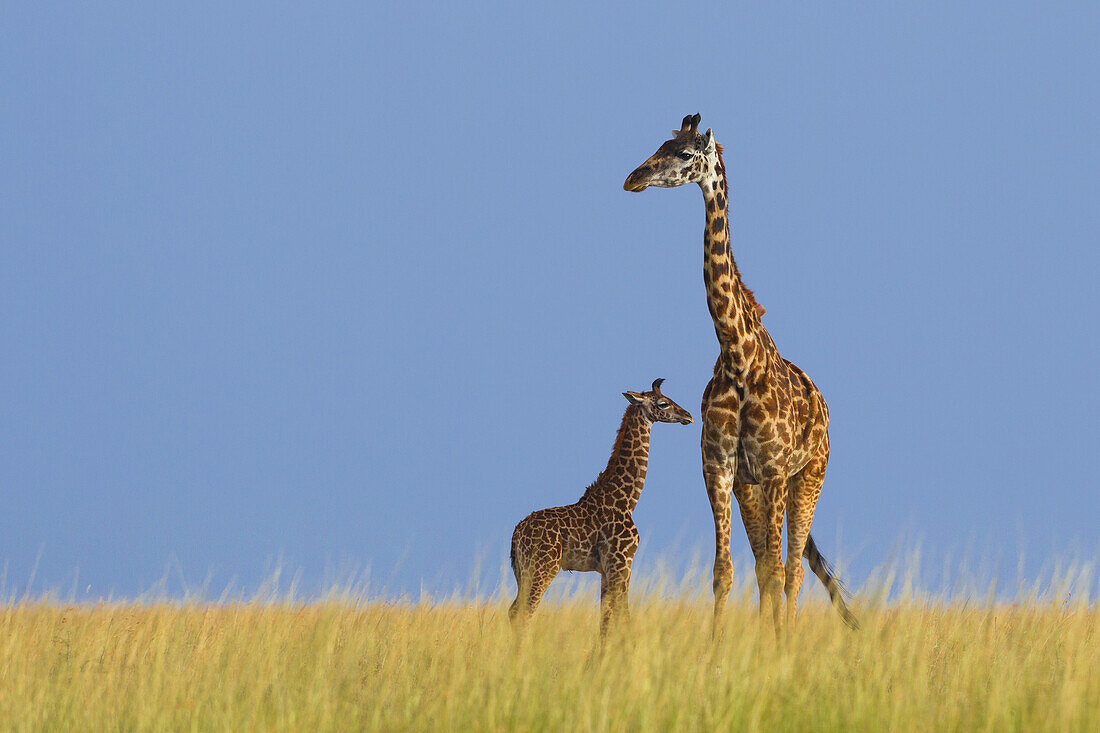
point(824, 571)
point(513, 610)
point(512, 559)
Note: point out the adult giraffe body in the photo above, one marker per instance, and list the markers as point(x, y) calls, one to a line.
point(765, 424)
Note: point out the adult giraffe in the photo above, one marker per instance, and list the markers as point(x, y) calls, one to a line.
point(765, 424)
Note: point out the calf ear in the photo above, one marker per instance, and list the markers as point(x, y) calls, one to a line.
point(633, 398)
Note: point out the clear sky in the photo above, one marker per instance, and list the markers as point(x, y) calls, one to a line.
point(358, 286)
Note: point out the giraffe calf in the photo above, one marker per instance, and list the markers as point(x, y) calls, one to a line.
point(597, 533)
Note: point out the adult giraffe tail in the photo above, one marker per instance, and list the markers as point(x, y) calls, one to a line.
point(823, 570)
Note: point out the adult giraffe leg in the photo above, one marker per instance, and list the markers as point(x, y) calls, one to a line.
point(769, 566)
point(803, 490)
point(818, 564)
point(751, 504)
point(719, 481)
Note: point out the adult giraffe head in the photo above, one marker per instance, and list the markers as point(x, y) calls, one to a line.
point(689, 157)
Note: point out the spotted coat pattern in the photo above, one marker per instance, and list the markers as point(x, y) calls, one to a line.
point(596, 533)
point(765, 438)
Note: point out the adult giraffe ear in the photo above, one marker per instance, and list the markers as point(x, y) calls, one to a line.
point(708, 142)
point(633, 398)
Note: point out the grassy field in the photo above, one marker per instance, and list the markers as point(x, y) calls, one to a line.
point(431, 666)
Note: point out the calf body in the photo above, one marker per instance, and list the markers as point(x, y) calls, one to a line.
point(597, 533)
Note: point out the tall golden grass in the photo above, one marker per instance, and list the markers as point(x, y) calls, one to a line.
point(346, 664)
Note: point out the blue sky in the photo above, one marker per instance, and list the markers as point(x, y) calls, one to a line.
point(358, 286)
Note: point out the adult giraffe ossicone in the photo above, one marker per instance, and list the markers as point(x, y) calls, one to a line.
point(765, 425)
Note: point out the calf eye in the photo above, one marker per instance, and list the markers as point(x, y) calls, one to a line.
point(662, 405)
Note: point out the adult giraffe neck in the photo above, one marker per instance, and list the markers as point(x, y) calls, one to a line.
point(732, 307)
point(620, 485)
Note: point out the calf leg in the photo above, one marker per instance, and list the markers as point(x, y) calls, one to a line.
point(616, 559)
point(614, 590)
point(533, 578)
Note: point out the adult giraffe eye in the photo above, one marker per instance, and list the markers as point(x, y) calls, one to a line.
point(684, 156)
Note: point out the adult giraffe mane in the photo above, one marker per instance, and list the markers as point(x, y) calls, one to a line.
point(749, 295)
